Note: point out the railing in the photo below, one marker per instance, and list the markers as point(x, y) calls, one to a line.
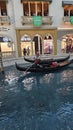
point(29, 20)
point(47, 20)
point(66, 19)
point(8, 54)
point(1, 63)
point(4, 20)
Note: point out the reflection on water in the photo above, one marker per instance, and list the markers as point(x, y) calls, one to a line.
point(36, 101)
point(67, 75)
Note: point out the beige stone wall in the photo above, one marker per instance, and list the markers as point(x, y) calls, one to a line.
point(32, 32)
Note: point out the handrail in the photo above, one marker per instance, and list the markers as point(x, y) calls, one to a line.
point(29, 20)
point(4, 20)
point(8, 54)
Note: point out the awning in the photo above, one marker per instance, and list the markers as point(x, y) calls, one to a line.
point(36, 0)
point(67, 3)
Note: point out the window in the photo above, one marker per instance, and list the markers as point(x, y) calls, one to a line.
point(71, 12)
point(39, 9)
point(48, 44)
point(65, 12)
point(26, 45)
point(67, 43)
point(3, 8)
point(45, 9)
point(32, 10)
point(7, 47)
point(68, 10)
point(26, 9)
point(36, 8)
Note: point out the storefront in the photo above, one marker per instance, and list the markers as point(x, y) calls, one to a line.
point(7, 46)
point(65, 37)
point(40, 39)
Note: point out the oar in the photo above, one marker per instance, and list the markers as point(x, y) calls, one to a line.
point(29, 67)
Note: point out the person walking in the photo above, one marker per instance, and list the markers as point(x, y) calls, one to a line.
point(24, 51)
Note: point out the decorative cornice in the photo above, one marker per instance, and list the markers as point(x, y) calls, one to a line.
point(4, 0)
point(37, 0)
point(67, 3)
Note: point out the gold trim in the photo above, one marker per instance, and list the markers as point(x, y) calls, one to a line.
point(36, 0)
point(32, 33)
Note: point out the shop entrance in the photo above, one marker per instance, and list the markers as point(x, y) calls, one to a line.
point(37, 44)
point(42, 40)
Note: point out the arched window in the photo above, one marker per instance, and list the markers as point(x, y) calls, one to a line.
point(7, 47)
point(26, 45)
point(48, 44)
point(37, 44)
point(67, 43)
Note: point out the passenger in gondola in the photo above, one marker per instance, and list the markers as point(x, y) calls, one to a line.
point(37, 56)
point(54, 64)
point(37, 59)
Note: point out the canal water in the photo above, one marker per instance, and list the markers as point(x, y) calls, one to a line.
point(36, 101)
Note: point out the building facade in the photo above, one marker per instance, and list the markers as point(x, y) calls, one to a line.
point(36, 25)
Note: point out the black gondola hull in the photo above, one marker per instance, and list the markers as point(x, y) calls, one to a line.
point(44, 69)
point(47, 61)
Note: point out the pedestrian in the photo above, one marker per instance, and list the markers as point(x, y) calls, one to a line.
point(28, 50)
point(24, 51)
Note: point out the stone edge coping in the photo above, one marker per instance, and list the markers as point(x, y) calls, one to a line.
point(8, 62)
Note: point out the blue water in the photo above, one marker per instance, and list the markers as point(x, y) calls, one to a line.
point(36, 101)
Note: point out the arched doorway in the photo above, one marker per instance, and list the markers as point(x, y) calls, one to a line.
point(37, 37)
point(26, 47)
point(37, 44)
point(7, 47)
point(48, 44)
point(67, 43)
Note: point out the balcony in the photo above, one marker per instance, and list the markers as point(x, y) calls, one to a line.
point(66, 19)
point(8, 54)
point(46, 20)
point(4, 20)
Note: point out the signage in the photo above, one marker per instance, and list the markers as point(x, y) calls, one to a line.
point(37, 20)
point(71, 19)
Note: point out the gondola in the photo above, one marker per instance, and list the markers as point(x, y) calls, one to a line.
point(39, 68)
point(47, 61)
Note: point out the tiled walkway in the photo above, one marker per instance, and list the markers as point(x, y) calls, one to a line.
point(9, 62)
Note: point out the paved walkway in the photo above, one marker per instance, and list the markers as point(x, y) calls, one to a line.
point(8, 62)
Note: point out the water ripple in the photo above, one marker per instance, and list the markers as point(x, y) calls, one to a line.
point(36, 101)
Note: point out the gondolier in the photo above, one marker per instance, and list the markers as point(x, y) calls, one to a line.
point(37, 58)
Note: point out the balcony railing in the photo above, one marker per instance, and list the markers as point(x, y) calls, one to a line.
point(9, 54)
point(4, 20)
point(29, 20)
point(66, 19)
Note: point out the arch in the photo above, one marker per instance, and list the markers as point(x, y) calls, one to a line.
point(37, 43)
point(3, 35)
point(67, 43)
point(26, 47)
point(48, 44)
point(7, 46)
point(34, 32)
